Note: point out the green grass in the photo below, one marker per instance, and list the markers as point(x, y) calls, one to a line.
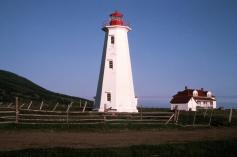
point(13, 85)
point(145, 109)
point(219, 117)
point(226, 148)
point(85, 127)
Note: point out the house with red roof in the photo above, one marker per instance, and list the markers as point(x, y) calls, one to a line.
point(190, 99)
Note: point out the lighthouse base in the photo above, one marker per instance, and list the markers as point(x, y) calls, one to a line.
point(128, 110)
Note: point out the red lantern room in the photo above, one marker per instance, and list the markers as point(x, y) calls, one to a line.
point(116, 18)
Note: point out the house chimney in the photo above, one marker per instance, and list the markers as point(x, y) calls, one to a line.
point(186, 87)
point(201, 89)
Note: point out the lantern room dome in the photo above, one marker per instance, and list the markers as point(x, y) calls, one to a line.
point(116, 18)
point(116, 14)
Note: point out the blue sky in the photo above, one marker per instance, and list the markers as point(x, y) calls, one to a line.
point(58, 44)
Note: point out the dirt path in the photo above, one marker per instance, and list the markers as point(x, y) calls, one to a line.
point(23, 139)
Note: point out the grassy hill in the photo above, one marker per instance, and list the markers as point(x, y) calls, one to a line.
point(12, 85)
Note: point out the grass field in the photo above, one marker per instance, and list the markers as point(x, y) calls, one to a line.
point(184, 126)
point(88, 127)
point(218, 117)
point(224, 148)
point(96, 122)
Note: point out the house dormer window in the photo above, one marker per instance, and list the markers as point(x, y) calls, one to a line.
point(195, 93)
point(209, 94)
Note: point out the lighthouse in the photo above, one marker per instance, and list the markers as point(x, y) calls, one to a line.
point(115, 90)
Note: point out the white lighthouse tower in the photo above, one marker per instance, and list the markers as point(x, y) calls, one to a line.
point(115, 90)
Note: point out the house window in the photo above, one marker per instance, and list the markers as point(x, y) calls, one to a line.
point(111, 64)
point(112, 39)
point(108, 96)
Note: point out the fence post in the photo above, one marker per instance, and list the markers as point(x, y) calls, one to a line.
point(177, 117)
point(17, 110)
point(41, 105)
point(9, 105)
point(84, 106)
point(67, 116)
point(141, 111)
point(69, 106)
point(29, 105)
point(67, 111)
point(104, 117)
point(22, 105)
point(175, 113)
point(55, 107)
point(230, 115)
point(194, 118)
point(205, 113)
point(211, 117)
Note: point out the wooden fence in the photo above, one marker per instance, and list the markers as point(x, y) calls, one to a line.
point(23, 114)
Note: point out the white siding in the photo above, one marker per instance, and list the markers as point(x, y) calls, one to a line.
point(192, 105)
point(180, 106)
point(117, 81)
point(214, 104)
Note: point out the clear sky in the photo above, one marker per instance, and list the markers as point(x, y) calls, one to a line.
point(58, 45)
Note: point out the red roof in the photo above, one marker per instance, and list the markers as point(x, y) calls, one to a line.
point(183, 97)
point(202, 92)
point(204, 98)
point(116, 14)
point(116, 18)
point(180, 99)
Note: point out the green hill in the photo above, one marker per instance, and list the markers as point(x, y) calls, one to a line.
point(13, 85)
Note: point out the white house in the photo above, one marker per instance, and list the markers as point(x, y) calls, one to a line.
point(115, 90)
point(190, 99)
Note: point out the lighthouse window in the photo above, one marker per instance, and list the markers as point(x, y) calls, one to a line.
point(111, 64)
point(112, 39)
point(108, 96)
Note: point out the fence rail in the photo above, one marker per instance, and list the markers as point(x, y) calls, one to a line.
point(39, 116)
point(17, 114)
point(36, 115)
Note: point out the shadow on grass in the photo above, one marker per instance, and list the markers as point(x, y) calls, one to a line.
point(226, 148)
point(84, 127)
